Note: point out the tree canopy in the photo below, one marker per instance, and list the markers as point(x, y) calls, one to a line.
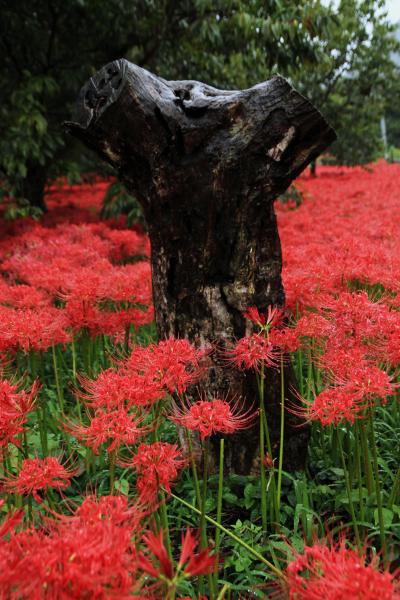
point(339, 58)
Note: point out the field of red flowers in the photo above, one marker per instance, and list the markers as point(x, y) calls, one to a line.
point(98, 497)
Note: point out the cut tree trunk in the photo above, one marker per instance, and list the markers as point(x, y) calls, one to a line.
point(206, 166)
point(34, 184)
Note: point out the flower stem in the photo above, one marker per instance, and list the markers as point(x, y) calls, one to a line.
point(395, 489)
point(378, 491)
point(263, 481)
point(60, 395)
point(113, 458)
point(281, 441)
point(73, 351)
point(369, 477)
point(233, 536)
point(194, 469)
point(357, 459)
point(219, 506)
point(203, 531)
point(165, 523)
point(348, 489)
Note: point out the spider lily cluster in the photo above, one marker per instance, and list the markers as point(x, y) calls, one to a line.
point(106, 436)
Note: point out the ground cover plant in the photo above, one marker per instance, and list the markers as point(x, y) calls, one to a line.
point(106, 484)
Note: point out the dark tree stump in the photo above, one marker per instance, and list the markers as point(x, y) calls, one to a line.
point(206, 166)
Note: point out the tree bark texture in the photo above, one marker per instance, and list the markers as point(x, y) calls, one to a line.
point(34, 184)
point(206, 166)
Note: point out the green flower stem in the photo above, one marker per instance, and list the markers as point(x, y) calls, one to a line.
point(221, 595)
point(348, 489)
point(263, 482)
point(89, 459)
point(204, 495)
point(30, 514)
point(378, 491)
point(127, 338)
point(202, 522)
point(194, 469)
point(395, 489)
point(41, 406)
point(299, 365)
point(264, 437)
point(73, 352)
point(234, 537)
point(281, 441)
point(309, 376)
point(60, 395)
point(165, 522)
point(369, 477)
point(219, 507)
point(357, 460)
point(113, 459)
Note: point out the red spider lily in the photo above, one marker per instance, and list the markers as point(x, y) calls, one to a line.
point(189, 564)
point(253, 315)
point(115, 388)
point(86, 555)
point(213, 416)
point(116, 426)
point(252, 352)
point(268, 461)
point(173, 364)
point(40, 474)
point(313, 325)
point(14, 408)
point(338, 573)
point(114, 509)
point(22, 296)
point(332, 406)
point(157, 465)
point(273, 317)
point(285, 339)
point(11, 521)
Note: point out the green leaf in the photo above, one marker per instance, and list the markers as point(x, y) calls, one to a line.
point(242, 563)
point(122, 486)
point(387, 516)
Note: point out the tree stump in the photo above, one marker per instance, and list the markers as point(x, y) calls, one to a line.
point(206, 166)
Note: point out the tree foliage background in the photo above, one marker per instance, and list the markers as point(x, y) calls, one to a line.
point(338, 55)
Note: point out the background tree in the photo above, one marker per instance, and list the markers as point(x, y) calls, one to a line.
point(354, 79)
point(339, 57)
point(50, 47)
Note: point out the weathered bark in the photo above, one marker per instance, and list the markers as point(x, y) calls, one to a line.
point(313, 168)
point(206, 165)
point(34, 184)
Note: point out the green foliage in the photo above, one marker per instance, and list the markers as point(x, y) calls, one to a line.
point(340, 58)
point(354, 79)
point(118, 202)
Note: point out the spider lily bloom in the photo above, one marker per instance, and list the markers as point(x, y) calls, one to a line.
point(116, 388)
point(40, 474)
point(116, 426)
point(14, 408)
point(332, 406)
point(157, 465)
point(213, 416)
point(338, 573)
point(11, 521)
point(285, 339)
point(163, 569)
point(89, 554)
point(173, 364)
point(115, 510)
point(252, 352)
point(273, 317)
point(369, 381)
point(268, 461)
